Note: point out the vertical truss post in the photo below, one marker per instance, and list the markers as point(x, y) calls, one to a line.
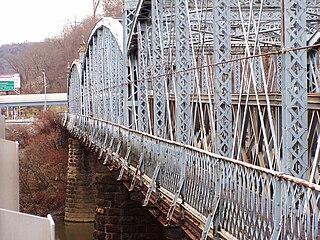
point(236, 76)
point(84, 83)
point(89, 83)
point(143, 119)
point(132, 87)
point(257, 69)
point(105, 71)
point(94, 76)
point(184, 74)
point(100, 72)
point(128, 14)
point(113, 77)
point(278, 72)
point(294, 89)
point(222, 76)
point(159, 101)
point(107, 80)
point(120, 89)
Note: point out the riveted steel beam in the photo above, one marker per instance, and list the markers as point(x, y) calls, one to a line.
point(294, 89)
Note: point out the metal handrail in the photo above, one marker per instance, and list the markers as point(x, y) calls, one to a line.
point(245, 200)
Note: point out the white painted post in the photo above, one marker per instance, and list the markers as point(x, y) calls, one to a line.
point(9, 175)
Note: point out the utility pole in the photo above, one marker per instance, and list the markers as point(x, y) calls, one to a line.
point(45, 90)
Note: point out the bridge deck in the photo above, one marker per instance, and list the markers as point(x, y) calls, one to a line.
point(33, 99)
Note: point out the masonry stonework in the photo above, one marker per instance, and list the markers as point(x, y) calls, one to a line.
point(80, 196)
point(119, 213)
point(95, 195)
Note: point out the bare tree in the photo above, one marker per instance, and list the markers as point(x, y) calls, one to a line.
point(112, 8)
point(95, 4)
point(51, 55)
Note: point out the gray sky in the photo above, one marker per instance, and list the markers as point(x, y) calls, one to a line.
point(34, 20)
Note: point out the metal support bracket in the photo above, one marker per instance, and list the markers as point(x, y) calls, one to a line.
point(91, 137)
point(152, 185)
point(108, 151)
point(124, 163)
point(102, 147)
point(116, 154)
point(138, 169)
point(174, 201)
point(216, 202)
point(65, 120)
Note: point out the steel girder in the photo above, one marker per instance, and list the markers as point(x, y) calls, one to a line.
point(184, 77)
point(142, 85)
point(294, 90)
point(128, 114)
point(158, 78)
point(222, 76)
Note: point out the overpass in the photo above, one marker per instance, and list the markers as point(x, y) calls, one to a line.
point(33, 99)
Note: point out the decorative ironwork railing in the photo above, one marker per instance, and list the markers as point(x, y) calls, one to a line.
point(244, 200)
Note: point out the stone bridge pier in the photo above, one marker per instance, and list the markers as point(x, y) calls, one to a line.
point(80, 203)
point(95, 195)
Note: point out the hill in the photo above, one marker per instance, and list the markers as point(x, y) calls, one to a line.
point(9, 51)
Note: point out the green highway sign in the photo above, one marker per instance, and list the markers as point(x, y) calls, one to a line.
point(6, 85)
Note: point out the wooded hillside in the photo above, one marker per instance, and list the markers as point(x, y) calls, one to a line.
point(53, 55)
point(10, 51)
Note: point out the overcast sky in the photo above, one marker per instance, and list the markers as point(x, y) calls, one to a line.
point(34, 20)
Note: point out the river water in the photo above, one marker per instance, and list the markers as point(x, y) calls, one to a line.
point(73, 231)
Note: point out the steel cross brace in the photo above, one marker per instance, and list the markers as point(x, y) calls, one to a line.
point(108, 150)
point(133, 181)
point(152, 184)
point(174, 201)
point(115, 155)
point(124, 163)
point(65, 120)
point(180, 185)
point(216, 202)
point(102, 147)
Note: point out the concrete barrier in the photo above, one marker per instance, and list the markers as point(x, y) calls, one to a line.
point(21, 226)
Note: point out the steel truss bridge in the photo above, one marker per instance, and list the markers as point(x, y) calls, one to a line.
point(214, 105)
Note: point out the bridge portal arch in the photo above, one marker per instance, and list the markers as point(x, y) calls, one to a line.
point(96, 86)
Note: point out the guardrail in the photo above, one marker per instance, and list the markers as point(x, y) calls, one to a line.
point(230, 197)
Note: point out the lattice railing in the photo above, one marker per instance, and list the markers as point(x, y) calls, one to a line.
point(244, 200)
